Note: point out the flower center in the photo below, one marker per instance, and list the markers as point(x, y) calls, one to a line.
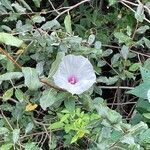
point(72, 80)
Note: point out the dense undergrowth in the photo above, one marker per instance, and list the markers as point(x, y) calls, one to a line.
point(114, 114)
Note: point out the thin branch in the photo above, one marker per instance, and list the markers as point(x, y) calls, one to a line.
point(118, 47)
point(126, 103)
point(10, 58)
point(116, 87)
point(20, 67)
point(124, 3)
point(72, 7)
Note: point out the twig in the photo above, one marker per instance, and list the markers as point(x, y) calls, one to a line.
point(72, 7)
point(20, 67)
point(124, 3)
point(116, 87)
point(118, 47)
point(10, 58)
point(126, 103)
point(6, 119)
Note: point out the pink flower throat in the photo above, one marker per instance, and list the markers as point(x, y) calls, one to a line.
point(72, 80)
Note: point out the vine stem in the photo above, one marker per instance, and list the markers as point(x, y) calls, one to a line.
point(10, 58)
point(20, 67)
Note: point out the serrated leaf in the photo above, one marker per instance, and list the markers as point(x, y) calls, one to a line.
point(16, 134)
point(31, 78)
point(67, 23)
point(48, 98)
point(56, 63)
point(8, 94)
point(9, 39)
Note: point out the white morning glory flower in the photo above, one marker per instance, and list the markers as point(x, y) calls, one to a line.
point(75, 74)
point(148, 95)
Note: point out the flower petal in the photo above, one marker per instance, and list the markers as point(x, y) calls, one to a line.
point(148, 95)
point(79, 67)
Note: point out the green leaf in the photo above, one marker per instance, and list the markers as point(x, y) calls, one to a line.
point(38, 19)
point(143, 106)
point(8, 94)
point(108, 81)
point(91, 39)
point(141, 90)
point(9, 39)
point(112, 2)
point(147, 42)
point(31, 78)
point(67, 23)
point(37, 3)
point(7, 146)
point(146, 115)
point(11, 76)
point(31, 146)
point(7, 4)
point(86, 101)
point(134, 67)
point(3, 130)
point(139, 14)
point(98, 45)
point(145, 73)
point(144, 137)
point(70, 104)
point(19, 95)
point(124, 52)
point(56, 63)
point(29, 127)
point(25, 5)
point(56, 125)
point(142, 29)
point(51, 24)
point(18, 7)
point(16, 134)
point(123, 38)
point(48, 98)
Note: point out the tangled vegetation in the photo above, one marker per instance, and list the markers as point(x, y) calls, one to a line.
point(36, 113)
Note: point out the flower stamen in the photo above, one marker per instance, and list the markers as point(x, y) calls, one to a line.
point(72, 80)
